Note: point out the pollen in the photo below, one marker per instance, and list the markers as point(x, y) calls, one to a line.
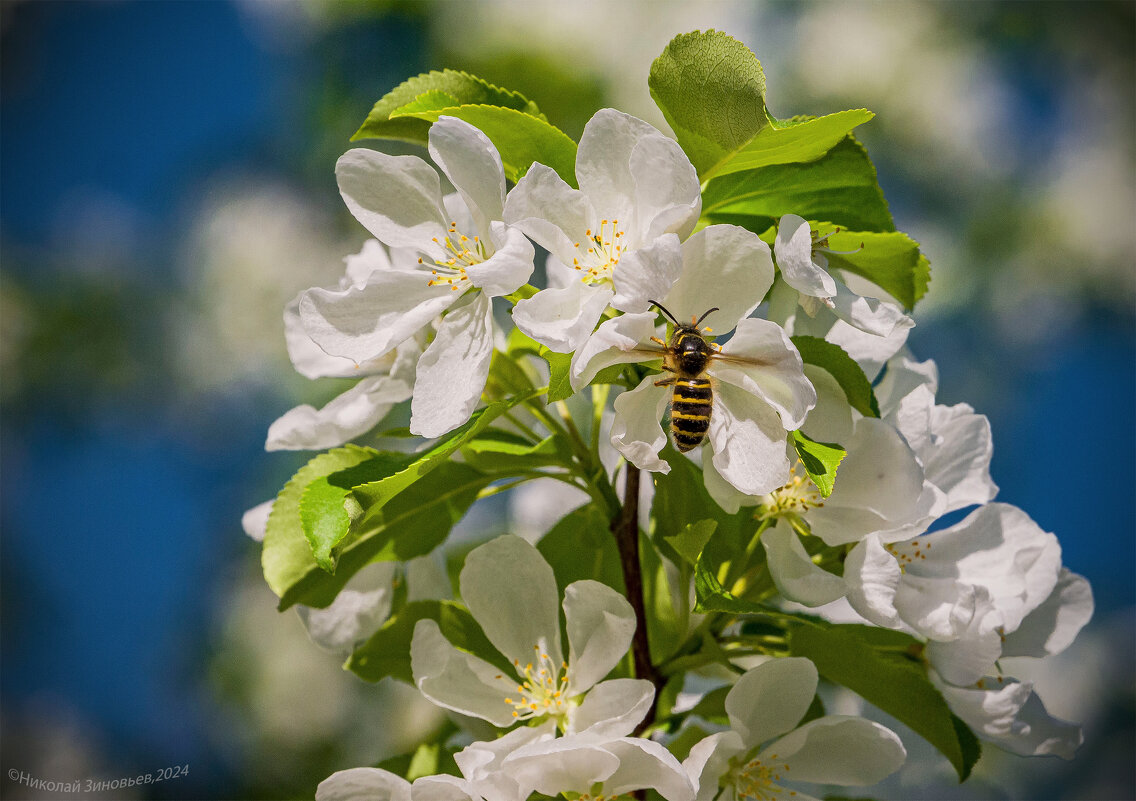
point(794, 498)
point(460, 253)
point(542, 689)
point(600, 251)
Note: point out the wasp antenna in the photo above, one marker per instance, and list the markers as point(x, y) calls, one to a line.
point(705, 315)
point(661, 308)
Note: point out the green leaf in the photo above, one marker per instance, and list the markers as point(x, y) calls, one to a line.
point(841, 188)
point(324, 504)
point(820, 460)
point(803, 141)
point(410, 524)
point(520, 138)
point(581, 546)
point(497, 451)
point(692, 538)
point(712, 706)
point(559, 378)
point(666, 625)
point(895, 683)
point(892, 261)
point(287, 555)
point(711, 91)
point(374, 494)
point(836, 361)
point(712, 597)
point(687, 738)
point(427, 89)
point(387, 652)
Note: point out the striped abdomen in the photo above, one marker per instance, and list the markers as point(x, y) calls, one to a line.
point(690, 411)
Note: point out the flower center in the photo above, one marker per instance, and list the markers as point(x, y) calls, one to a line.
point(542, 688)
point(756, 779)
point(796, 497)
point(600, 252)
point(908, 552)
point(461, 252)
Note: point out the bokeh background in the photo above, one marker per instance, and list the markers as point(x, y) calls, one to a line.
point(166, 185)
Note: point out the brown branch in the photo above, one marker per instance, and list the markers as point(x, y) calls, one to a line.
point(625, 527)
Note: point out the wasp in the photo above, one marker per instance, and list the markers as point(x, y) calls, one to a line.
point(687, 355)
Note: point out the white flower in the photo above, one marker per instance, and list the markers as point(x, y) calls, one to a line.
point(1008, 712)
point(953, 443)
point(760, 389)
point(764, 747)
point(800, 257)
point(964, 588)
point(637, 188)
point(511, 592)
point(599, 765)
point(463, 246)
point(385, 380)
point(480, 763)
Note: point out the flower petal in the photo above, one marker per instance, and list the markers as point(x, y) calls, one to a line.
point(770, 699)
point(617, 341)
point(724, 266)
point(725, 494)
point(355, 412)
point(831, 419)
point(839, 749)
point(562, 319)
point(868, 314)
point(442, 788)
point(646, 764)
point(600, 624)
point(880, 475)
point(363, 784)
point(363, 323)
point(255, 520)
point(397, 198)
point(709, 760)
point(748, 442)
point(1011, 715)
point(1052, 626)
point(309, 359)
point(453, 369)
point(970, 657)
point(357, 612)
point(563, 765)
point(509, 267)
point(551, 213)
point(636, 431)
point(630, 171)
point(794, 251)
point(511, 592)
point(1000, 548)
point(762, 361)
point(871, 352)
point(647, 274)
point(873, 577)
point(473, 165)
point(457, 680)
point(612, 708)
point(959, 464)
point(797, 577)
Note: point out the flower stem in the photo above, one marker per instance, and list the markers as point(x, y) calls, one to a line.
point(625, 527)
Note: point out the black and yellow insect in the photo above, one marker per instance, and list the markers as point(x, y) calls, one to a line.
point(687, 355)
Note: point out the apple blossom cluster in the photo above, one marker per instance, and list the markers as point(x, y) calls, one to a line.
point(802, 537)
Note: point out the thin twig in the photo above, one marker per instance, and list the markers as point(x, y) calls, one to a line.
point(625, 527)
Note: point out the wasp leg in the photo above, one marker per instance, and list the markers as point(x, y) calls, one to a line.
point(665, 382)
point(659, 341)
